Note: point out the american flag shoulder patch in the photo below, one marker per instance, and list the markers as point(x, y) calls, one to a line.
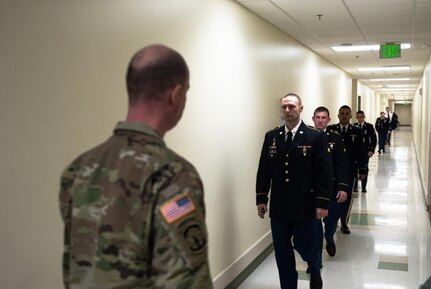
point(176, 208)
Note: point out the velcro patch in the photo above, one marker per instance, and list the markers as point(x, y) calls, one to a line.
point(178, 207)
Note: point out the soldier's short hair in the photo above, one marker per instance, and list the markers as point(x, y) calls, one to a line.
point(321, 109)
point(360, 112)
point(152, 70)
point(294, 95)
point(345, 107)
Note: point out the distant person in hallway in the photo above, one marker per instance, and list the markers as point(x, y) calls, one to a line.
point(370, 139)
point(357, 154)
point(296, 166)
point(393, 123)
point(382, 126)
point(340, 162)
point(133, 210)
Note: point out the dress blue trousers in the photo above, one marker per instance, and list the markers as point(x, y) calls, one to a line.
point(305, 238)
point(331, 220)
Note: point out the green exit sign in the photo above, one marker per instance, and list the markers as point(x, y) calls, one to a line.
point(390, 50)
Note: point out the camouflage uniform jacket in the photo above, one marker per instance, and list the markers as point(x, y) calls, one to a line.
point(134, 216)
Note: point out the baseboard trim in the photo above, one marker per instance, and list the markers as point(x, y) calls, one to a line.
point(244, 265)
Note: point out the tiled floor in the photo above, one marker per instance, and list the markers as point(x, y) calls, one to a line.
point(390, 244)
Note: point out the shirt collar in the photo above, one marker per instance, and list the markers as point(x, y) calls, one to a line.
point(294, 130)
point(138, 127)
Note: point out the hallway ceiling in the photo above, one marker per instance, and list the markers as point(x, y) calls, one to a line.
point(359, 22)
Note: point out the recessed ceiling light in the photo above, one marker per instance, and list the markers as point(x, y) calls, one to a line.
point(374, 47)
point(397, 85)
point(389, 79)
point(398, 89)
point(384, 68)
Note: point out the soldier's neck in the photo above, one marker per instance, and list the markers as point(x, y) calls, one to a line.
point(292, 124)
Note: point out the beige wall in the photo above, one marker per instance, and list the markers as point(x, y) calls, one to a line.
point(421, 126)
point(404, 113)
point(371, 102)
point(62, 90)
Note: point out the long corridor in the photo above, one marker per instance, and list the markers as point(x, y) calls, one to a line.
point(390, 244)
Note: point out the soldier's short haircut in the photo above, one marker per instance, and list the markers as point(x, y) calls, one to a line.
point(321, 109)
point(294, 95)
point(152, 70)
point(345, 107)
point(360, 112)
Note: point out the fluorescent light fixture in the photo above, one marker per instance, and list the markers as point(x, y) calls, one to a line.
point(375, 47)
point(397, 89)
point(389, 79)
point(397, 85)
point(381, 68)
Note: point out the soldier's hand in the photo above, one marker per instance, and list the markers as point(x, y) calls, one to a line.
point(361, 177)
point(261, 210)
point(321, 213)
point(341, 196)
point(370, 154)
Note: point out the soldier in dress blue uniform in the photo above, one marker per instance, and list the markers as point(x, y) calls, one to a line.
point(296, 166)
point(356, 151)
point(340, 161)
point(370, 140)
point(393, 123)
point(382, 127)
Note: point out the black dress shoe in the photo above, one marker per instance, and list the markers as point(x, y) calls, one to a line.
point(364, 190)
point(345, 229)
point(330, 248)
point(316, 281)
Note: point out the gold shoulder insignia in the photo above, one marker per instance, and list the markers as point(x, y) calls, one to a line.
point(334, 132)
point(312, 127)
point(275, 128)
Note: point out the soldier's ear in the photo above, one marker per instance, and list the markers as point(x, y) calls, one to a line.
point(175, 94)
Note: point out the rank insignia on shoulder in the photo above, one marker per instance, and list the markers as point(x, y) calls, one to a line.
point(275, 128)
point(312, 127)
point(177, 208)
point(334, 132)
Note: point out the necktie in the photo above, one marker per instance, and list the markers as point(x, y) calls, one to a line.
point(360, 126)
point(344, 130)
point(289, 139)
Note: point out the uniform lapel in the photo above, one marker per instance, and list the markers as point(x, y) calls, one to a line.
point(280, 137)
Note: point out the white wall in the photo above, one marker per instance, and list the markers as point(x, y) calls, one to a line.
point(421, 129)
point(62, 90)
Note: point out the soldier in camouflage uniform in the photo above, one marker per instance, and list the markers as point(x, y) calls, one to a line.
point(133, 209)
